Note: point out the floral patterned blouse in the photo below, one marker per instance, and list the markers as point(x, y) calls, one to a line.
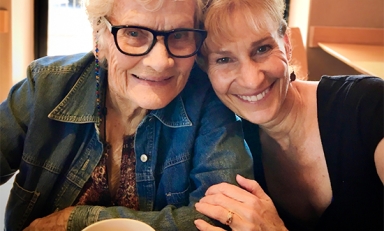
point(96, 190)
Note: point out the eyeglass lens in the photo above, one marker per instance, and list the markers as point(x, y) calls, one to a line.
point(138, 41)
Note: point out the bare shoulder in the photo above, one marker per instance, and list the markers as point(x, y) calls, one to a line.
point(307, 90)
point(307, 85)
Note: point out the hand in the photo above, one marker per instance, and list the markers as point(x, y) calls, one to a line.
point(56, 221)
point(252, 208)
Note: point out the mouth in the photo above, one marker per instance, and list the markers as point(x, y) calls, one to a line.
point(256, 97)
point(152, 79)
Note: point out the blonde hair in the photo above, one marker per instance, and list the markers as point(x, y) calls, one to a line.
point(218, 19)
point(103, 8)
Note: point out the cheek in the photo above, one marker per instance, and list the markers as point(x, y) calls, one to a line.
point(185, 65)
point(118, 62)
point(277, 65)
point(218, 80)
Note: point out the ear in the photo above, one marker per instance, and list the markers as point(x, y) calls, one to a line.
point(287, 45)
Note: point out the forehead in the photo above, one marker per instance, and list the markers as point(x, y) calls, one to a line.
point(239, 25)
point(149, 12)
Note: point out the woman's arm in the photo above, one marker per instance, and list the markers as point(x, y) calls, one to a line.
point(252, 208)
point(14, 119)
point(379, 160)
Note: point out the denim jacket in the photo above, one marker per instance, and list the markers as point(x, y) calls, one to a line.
point(50, 139)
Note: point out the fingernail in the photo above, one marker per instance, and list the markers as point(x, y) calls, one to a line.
point(196, 222)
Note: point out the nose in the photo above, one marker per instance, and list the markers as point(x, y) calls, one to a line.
point(250, 75)
point(158, 58)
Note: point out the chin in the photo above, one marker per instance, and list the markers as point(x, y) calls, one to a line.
point(155, 104)
point(256, 118)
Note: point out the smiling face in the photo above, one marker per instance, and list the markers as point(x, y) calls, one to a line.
point(153, 80)
point(249, 69)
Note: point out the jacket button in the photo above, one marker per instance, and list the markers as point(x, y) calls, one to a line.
point(143, 158)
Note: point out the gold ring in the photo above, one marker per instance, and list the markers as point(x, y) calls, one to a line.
point(229, 218)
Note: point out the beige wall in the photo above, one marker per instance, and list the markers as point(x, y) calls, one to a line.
point(22, 38)
point(16, 46)
point(5, 51)
point(347, 13)
point(340, 13)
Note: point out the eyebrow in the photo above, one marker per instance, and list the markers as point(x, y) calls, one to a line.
point(128, 22)
point(253, 44)
point(221, 52)
point(260, 41)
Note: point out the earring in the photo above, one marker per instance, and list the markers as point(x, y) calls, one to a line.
point(97, 68)
point(292, 76)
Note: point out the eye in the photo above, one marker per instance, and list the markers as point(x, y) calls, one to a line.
point(133, 33)
point(179, 35)
point(133, 37)
point(263, 49)
point(223, 60)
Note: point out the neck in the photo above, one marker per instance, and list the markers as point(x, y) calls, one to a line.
point(123, 116)
point(121, 106)
point(289, 119)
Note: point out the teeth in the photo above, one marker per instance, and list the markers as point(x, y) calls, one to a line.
point(141, 78)
point(254, 98)
point(144, 78)
point(150, 79)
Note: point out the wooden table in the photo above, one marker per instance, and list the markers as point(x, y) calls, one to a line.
point(367, 59)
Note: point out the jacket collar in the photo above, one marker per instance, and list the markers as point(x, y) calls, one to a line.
point(79, 105)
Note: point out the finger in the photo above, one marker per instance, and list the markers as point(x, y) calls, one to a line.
point(205, 226)
point(243, 210)
point(213, 211)
point(222, 215)
point(251, 186)
point(221, 188)
point(221, 200)
point(232, 191)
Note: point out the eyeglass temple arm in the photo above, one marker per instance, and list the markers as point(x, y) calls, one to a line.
point(107, 23)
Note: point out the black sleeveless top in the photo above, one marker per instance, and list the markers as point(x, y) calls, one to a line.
point(350, 116)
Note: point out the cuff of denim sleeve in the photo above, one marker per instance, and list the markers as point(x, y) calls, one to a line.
point(83, 216)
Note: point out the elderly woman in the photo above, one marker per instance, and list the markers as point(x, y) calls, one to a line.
point(322, 160)
point(125, 131)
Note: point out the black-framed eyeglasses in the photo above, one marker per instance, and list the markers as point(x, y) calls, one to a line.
point(138, 40)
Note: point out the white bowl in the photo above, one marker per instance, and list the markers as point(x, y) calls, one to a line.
point(119, 224)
